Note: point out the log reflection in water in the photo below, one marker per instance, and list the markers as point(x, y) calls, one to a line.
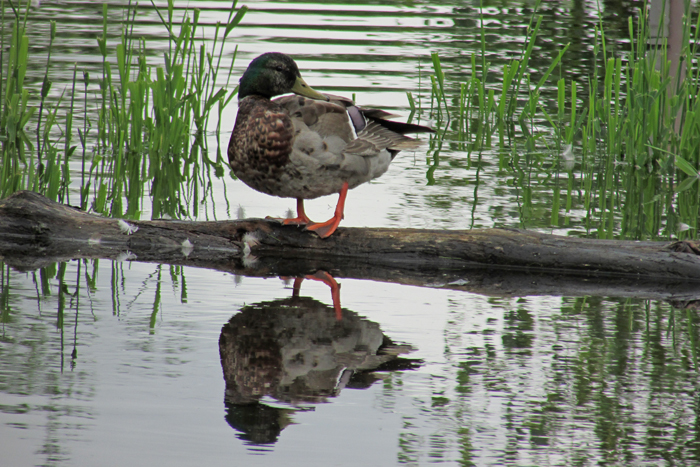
point(296, 351)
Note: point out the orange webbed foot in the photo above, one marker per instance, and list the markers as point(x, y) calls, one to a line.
point(326, 229)
point(291, 220)
point(301, 219)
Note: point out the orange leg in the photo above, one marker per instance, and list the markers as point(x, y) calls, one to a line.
point(301, 218)
point(326, 229)
point(327, 279)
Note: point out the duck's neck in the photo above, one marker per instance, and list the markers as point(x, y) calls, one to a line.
point(245, 91)
point(249, 86)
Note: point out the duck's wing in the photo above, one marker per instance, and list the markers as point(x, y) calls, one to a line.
point(380, 133)
point(366, 131)
point(375, 138)
point(325, 118)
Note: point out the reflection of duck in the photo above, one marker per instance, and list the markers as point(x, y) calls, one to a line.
point(295, 350)
point(258, 423)
point(294, 147)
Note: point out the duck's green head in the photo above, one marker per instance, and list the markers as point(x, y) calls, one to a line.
point(272, 74)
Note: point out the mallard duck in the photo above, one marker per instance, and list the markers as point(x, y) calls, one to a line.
point(308, 144)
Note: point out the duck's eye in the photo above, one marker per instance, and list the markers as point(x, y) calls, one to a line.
point(279, 68)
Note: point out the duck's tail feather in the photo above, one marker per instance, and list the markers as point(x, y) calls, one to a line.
point(403, 128)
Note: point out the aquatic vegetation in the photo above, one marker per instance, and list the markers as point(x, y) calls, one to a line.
point(16, 112)
point(146, 139)
point(624, 149)
point(521, 379)
point(618, 152)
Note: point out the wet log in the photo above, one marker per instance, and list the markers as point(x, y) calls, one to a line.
point(35, 230)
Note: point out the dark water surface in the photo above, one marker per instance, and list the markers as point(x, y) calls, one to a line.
point(115, 363)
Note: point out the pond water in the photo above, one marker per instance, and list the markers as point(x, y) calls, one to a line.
point(128, 363)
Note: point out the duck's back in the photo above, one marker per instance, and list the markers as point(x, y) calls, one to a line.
point(303, 148)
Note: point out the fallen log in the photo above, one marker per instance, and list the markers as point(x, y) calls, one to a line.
point(35, 231)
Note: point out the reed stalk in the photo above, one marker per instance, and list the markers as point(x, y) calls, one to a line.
point(631, 151)
point(151, 120)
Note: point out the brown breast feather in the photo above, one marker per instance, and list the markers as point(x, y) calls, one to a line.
point(263, 134)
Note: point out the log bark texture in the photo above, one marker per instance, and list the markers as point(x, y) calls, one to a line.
point(35, 230)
